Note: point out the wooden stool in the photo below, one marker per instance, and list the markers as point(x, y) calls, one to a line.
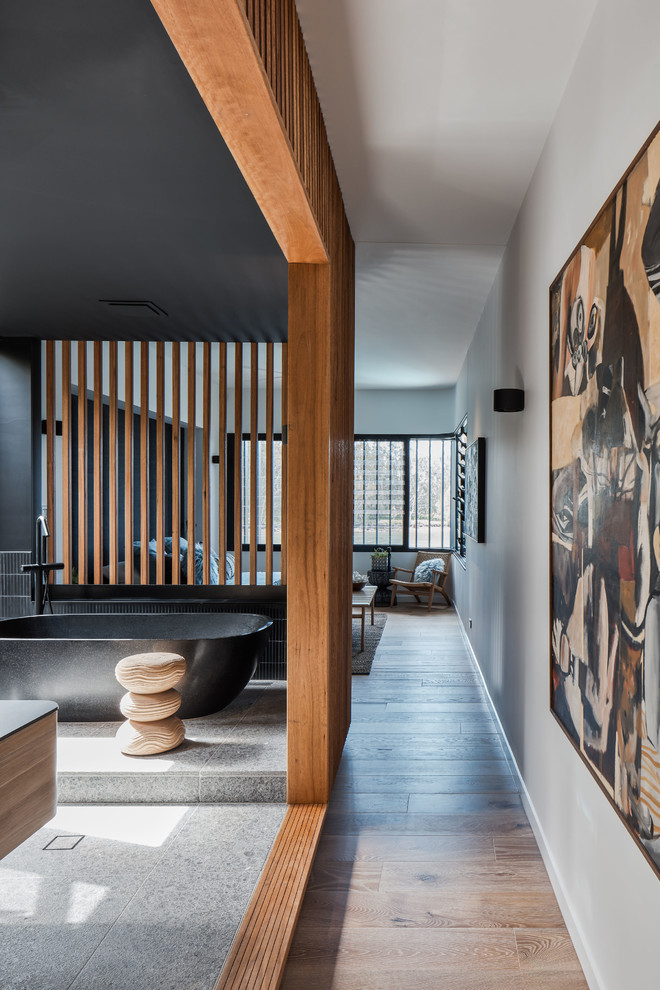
point(150, 703)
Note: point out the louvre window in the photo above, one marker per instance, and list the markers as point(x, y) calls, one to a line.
point(402, 492)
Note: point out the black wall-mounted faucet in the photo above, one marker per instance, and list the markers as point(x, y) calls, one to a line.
point(40, 569)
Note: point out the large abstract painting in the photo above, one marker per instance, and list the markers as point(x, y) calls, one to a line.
point(605, 491)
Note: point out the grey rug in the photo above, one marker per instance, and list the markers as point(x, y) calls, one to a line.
point(362, 661)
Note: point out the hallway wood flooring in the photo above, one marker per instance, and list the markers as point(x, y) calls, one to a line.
point(427, 874)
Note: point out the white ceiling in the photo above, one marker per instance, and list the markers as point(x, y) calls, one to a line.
point(436, 112)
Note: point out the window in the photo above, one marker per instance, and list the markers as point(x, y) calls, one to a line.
point(429, 517)
point(379, 492)
point(402, 492)
point(261, 491)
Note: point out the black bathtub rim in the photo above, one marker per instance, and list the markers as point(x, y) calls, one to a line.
point(265, 625)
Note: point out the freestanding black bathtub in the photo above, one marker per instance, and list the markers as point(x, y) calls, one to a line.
point(71, 659)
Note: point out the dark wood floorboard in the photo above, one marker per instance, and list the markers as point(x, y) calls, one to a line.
point(427, 873)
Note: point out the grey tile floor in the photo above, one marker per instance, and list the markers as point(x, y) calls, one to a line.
point(238, 754)
point(151, 896)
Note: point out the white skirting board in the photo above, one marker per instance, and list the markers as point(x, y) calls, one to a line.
point(574, 930)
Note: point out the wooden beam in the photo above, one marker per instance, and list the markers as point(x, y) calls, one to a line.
point(144, 462)
point(190, 440)
point(112, 462)
point(98, 462)
point(176, 461)
point(222, 463)
point(254, 449)
point(82, 462)
point(216, 44)
point(66, 461)
point(128, 462)
point(238, 473)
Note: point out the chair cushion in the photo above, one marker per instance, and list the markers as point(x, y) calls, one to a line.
point(424, 571)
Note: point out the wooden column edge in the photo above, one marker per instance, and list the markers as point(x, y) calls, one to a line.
point(260, 949)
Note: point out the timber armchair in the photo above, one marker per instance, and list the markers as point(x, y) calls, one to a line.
point(425, 579)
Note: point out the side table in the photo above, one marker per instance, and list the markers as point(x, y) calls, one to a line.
point(381, 579)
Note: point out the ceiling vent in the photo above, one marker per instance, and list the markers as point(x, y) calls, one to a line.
point(134, 307)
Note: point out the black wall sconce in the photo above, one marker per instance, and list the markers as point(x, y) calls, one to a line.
point(508, 399)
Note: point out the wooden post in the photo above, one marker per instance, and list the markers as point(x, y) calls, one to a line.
point(262, 97)
point(319, 549)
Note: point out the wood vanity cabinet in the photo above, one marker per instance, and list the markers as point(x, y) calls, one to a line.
point(28, 785)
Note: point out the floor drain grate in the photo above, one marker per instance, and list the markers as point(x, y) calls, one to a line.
point(64, 842)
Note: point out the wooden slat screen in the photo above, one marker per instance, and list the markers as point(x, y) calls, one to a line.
point(206, 465)
point(98, 461)
point(280, 43)
point(254, 440)
point(66, 461)
point(160, 472)
point(82, 462)
point(238, 451)
point(285, 455)
point(144, 462)
point(176, 460)
point(190, 486)
point(128, 463)
point(112, 462)
point(222, 463)
point(270, 382)
point(171, 477)
point(51, 428)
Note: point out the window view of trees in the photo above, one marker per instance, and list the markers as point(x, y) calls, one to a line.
point(261, 491)
point(429, 515)
point(402, 492)
point(379, 492)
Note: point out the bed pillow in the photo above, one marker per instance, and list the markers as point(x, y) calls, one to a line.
point(424, 571)
point(183, 561)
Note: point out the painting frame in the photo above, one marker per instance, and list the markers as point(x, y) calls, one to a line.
point(604, 537)
point(475, 490)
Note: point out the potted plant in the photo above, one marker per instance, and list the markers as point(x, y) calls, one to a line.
point(380, 559)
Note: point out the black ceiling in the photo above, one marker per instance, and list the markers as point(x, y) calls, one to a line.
point(115, 184)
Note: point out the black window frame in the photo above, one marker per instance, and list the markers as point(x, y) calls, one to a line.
point(405, 438)
point(229, 482)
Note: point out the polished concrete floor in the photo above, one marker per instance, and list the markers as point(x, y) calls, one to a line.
point(132, 897)
point(124, 892)
point(237, 754)
point(428, 875)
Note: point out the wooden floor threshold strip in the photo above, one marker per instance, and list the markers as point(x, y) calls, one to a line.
point(259, 952)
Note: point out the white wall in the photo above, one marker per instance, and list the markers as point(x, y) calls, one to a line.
point(411, 411)
point(404, 410)
point(610, 107)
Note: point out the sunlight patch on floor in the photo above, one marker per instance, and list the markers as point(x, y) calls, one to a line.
point(144, 825)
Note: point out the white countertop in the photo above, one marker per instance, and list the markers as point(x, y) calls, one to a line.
point(15, 715)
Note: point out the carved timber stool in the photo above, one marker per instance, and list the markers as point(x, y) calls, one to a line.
point(150, 703)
